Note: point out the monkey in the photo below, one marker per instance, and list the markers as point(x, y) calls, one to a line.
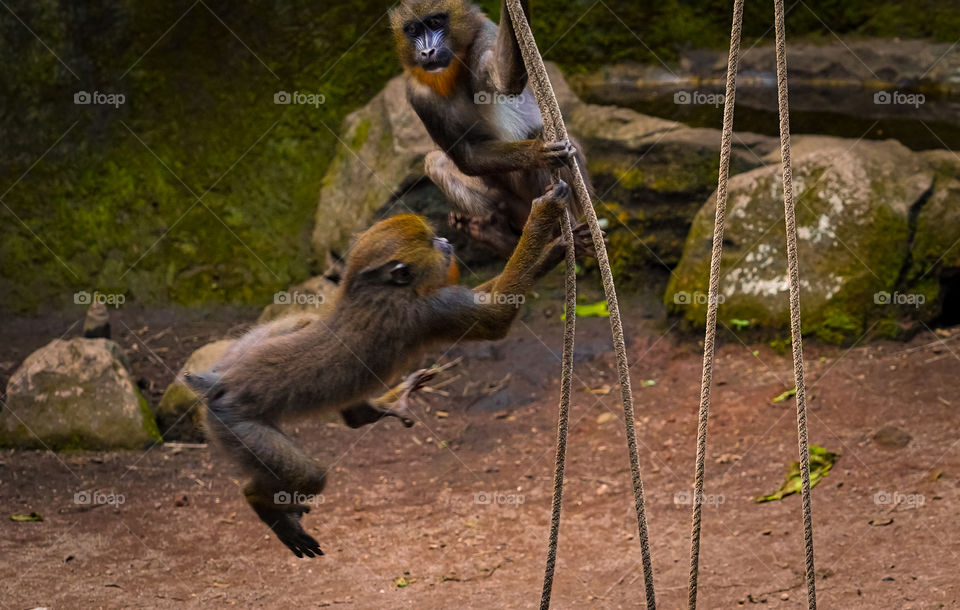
point(397, 298)
point(96, 324)
point(467, 82)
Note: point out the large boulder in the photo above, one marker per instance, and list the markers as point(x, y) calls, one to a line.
point(857, 205)
point(179, 414)
point(76, 394)
point(652, 176)
point(935, 253)
point(315, 296)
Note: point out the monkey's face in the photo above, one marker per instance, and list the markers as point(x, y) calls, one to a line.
point(427, 40)
point(401, 254)
point(429, 32)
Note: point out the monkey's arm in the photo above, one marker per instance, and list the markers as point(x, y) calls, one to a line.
point(498, 156)
point(487, 311)
point(507, 72)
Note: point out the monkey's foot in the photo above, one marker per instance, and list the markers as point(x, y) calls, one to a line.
point(285, 523)
point(557, 154)
point(490, 230)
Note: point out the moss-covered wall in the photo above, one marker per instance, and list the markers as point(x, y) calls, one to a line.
point(110, 201)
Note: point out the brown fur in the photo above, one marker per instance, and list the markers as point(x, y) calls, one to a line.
point(395, 300)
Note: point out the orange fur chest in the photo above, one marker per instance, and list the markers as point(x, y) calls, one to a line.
point(442, 82)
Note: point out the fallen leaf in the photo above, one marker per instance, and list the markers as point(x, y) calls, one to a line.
point(880, 522)
point(601, 391)
point(605, 417)
point(788, 394)
point(21, 518)
point(821, 461)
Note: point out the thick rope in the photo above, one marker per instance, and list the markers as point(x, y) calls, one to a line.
point(550, 110)
point(566, 380)
point(709, 342)
point(794, 274)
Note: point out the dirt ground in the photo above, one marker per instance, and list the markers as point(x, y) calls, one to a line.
point(455, 511)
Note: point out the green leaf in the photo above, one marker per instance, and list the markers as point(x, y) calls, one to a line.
point(788, 394)
point(821, 462)
point(26, 518)
point(740, 324)
point(649, 383)
point(591, 310)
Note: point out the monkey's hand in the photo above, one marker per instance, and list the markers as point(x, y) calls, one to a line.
point(553, 201)
point(557, 154)
point(285, 523)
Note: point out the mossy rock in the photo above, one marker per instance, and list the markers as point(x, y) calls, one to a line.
point(651, 177)
point(179, 414)
point(76, 394)
point(854, 202)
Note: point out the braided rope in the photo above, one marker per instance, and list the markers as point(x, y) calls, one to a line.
point(554, 125)
point(709, 342)
point(794, 279)
point(794, 274)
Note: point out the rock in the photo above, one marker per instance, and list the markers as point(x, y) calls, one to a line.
point(839, 75)
point(315, 296)
point(76, 394)
point(180, 412)
point(653, 175)
point(96, 325)
point(935, 255)
point(854, 206)
point(891, 437)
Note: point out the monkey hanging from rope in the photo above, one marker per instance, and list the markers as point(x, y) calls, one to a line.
point(397, 298)
point(467, 82)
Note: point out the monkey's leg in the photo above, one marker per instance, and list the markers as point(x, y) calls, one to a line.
point(477, 204)
point(282, 477)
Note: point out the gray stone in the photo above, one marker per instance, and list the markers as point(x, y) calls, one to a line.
point(76, 394)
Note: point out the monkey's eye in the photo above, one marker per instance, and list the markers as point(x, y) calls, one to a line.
point(411, 29)
point(436, 22)
point(401, 275)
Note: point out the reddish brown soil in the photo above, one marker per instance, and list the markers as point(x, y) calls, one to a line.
point(401, 503)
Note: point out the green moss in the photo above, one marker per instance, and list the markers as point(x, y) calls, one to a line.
point(113, 210)
point(149, 422)
point(360, 134)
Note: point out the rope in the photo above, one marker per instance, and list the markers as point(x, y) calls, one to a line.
point(794, 274)
point(709, 342)
point(553, 121)
point(566, 377)
point(794, 278)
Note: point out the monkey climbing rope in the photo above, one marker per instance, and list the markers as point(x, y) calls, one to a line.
point(554, 129)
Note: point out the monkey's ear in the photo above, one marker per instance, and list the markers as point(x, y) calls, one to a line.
point(401, 274)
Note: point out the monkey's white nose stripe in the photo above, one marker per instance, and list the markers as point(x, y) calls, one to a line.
point(430, 40)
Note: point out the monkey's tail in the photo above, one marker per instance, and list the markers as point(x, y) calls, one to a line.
point(204, 384)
